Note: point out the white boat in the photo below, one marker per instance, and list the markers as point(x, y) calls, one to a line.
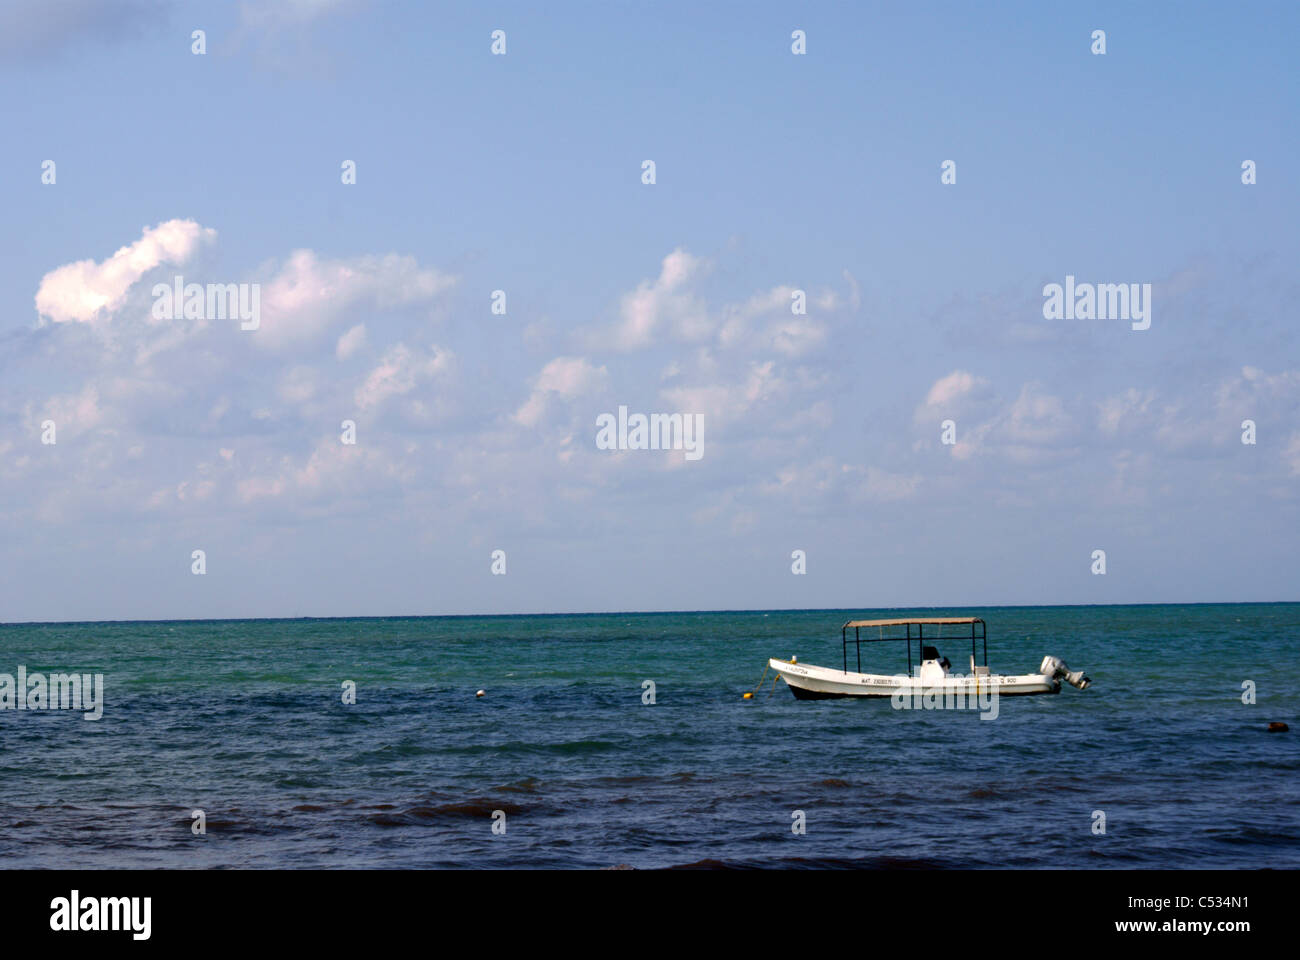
point(933, 674)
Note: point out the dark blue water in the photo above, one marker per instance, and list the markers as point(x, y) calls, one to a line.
point(244, 720)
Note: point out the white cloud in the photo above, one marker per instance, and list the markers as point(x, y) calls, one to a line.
point(855, 292)
point(736, 325)
point(873, 483)
point(299, 385)
point(309, 294)
point(663, 302)
point(727, 402)
point(74, 413)
point(565, 377)
point(1122, 410)
point(824, 479)
point(351, 342)
point(1032, 428)
point(949, 389)
point(85, 290)
point(1292, 455)
point(1037, 418)
point(399, 372)
point(1254, 388)
point(796, 335)
point(766, 322)
point(667, 309)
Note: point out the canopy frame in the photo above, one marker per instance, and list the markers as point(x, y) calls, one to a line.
point(978, 634)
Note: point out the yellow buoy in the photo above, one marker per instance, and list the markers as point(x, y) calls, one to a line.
point(748, 696)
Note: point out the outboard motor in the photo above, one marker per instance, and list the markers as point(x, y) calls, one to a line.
point(1057, 669)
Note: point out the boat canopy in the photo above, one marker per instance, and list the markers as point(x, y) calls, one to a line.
point(978, 632)
point(899, 623)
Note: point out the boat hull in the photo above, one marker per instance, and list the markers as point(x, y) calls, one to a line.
point(809, 682)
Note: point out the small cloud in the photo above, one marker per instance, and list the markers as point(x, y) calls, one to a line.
point(947, 390)
point(309, 294)
point(299, 385)
point(662, 302)
point(85, 291)
point(855, 292)
point(725, 403)
point(351, 342)
point(565, 377)
point(882, 486)
point(1292, 455)
point(399, 372)
point(1117, 411)
point(74, 413)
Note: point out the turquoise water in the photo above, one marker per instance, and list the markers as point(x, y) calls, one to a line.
point(244, 720)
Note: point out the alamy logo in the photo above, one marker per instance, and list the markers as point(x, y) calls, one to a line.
point(102, 913)
point(658, 431)
point(983, 698)
point(215, 301)
point(1101, 301)
point(60, 691)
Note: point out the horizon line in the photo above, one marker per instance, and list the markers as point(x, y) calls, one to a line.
point(644, 613)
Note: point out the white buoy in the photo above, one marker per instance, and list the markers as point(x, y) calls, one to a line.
point(481, 693)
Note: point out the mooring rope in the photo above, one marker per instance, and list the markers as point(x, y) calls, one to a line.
point(776, 675)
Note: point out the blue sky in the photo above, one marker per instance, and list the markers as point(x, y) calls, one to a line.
point(522, 172)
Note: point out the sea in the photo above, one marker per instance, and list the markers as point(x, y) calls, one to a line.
point(625, 740)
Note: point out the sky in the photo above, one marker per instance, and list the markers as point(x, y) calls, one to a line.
point(777, 176)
